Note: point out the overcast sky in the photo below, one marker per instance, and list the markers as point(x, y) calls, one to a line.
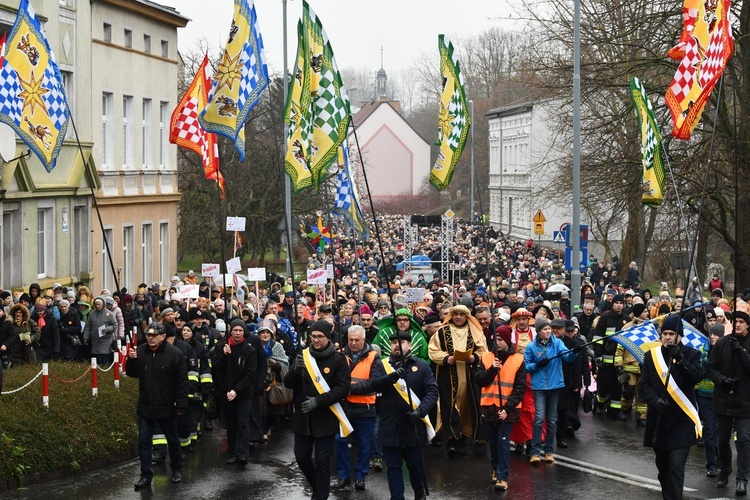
point(357, 28)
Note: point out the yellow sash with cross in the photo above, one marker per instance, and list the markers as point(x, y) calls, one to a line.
point(400, 386)
point(662, 369)
point(345, 427)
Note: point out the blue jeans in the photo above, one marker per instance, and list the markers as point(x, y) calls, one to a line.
point(499, 433)
point(393, 459)
point(145, 435)
point(376, 450)
point(362, 436)
point(545, 403)
point(706, 412)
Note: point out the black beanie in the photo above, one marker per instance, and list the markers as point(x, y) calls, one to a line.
point(237, 322)
point(323, 327)
point(638, 309)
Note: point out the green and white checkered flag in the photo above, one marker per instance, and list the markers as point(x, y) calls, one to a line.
point(652, 153)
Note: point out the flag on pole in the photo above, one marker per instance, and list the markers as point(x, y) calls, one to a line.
point(692, 337)
point(240, 78)
point(454, 120)
point(2, 49)
point(638, 339)
point(705, 46)
point(187, 132)
point(652, 150)
point(32, 96)
point(318, 110)
point(346, 203)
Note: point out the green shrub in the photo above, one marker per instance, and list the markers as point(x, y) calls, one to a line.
point(78, 431)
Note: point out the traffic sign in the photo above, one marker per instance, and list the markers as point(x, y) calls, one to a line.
point(539, 217)
point(584, 256)
point(583, 231)
point(539, 228)
point(558, 237)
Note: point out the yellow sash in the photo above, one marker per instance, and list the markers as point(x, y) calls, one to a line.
point(674, 390)
point(345, 427)
point(400, 387)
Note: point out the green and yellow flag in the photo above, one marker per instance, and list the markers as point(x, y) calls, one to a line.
point(454, 121)
point(652, 154)
point(317, 109)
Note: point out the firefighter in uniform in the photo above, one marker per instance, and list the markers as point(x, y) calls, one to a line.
point(205, 381)
point(608, 388)
point(366, 371)
point(629, 374)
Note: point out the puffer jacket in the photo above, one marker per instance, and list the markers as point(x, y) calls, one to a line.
point(550, 376)
point(112, 305)
point(24, 352)
point(100, 344)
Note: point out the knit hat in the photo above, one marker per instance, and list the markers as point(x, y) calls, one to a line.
point(672, 323)
point(716, 329)
point(196, 313)
point(638, 309)
point(431, 318)
point(505, 332)
point(236, 322)
point(127, 299)
point(183, 315)
point(403, 312)
point(618, 298)
point(323, 327)
point(540, 323)
point(220, 325)
point(365, 309)
point(741, 314)
point(71, 294)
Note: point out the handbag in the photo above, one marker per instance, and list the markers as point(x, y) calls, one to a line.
point(212, 410)
point(278, 393)
point(588, 401)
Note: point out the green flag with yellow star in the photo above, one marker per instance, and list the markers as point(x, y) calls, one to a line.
point(240, 78)
point(454, 121)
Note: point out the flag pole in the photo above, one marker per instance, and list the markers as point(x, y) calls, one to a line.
point(96, 205)
point(223, 262)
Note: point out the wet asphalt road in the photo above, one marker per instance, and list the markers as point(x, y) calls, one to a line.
point(605, 458)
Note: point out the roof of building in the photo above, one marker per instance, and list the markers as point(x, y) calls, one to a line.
point(368, 108)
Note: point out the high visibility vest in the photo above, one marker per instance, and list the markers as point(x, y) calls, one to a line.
point(498, 392)
point(361, 373)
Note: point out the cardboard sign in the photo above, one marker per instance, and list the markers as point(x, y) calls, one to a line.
point(235, 223)
point(234, 266)
point(210, 270)
point(316, 277)
point(189, 291)
point(329, 271)
point(414, 294)
point(256, 274)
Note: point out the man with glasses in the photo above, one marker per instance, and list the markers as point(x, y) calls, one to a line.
point(404, 323)
point(163, 386)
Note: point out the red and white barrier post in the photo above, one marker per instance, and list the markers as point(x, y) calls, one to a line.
point(116, 368)
point(94, 378)
point(45, 385)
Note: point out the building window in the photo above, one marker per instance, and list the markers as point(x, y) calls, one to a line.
point(147, 262)
point(107, 33)
point(67, 80)
point(45, 242)
point(80, 246)
point(164, 48)
point(128, 258)
point(129, 38)
point(163, 139)
point(146, 133)
point(107, 147)
point(128, 138)
point(108, 280)
point(147, 43)
point(12, 246)
point(164, 272)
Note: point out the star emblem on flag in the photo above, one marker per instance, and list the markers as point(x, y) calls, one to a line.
point(229, 70)
point(32, 92)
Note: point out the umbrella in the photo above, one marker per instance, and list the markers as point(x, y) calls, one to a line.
point(558, 288)
point(219, 280)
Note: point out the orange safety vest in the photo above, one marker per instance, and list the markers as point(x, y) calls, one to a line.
point(498, 392)
point(361, 373)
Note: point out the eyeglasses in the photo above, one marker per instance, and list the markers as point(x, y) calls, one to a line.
point(317, 337)
point(402, 320)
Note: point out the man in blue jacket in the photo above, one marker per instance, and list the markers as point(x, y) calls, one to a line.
point(543, 358)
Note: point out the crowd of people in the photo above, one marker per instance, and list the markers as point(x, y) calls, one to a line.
point(370, 373)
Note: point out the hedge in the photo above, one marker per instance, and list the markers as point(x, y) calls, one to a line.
point(78, 432)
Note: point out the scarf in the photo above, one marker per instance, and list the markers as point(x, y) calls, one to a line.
point(268, 347)
point(232, 342)
point(40, 322)
point(544, 341)
point(324, 353)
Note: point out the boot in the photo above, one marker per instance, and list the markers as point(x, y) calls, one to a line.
point(598, 408)
point(622, 416)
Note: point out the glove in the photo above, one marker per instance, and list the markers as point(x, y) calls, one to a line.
point(299, 363)
point(401, 372)
point(730, 383)
point(734, 344)
point(674, 352)
point(542, 363)
point(620, 370)
point(578, 349)
point(623, 378)
point(394, 376)
point(661, 405)
point(309, 405)
point(415, 415)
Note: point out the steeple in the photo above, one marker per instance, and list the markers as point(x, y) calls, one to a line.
point(381, 88)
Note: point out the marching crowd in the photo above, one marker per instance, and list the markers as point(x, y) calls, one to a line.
point(490, 356)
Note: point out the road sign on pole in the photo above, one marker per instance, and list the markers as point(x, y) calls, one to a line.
point(539, 217)
point(558, 237)
point(584, 256)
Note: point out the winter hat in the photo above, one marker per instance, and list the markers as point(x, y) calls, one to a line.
point(505, 332)
point(183, 315)
point(540, 323)
point(323, 327)
point(431, 318)
point(127, 299)
point(403, 312)
point(618, 298)
point(504, 316)
point(558, 323)
point(638, 310)
point(365, 309)
point(716, 329)
point(196, 313)
point(672, 323)
point(71, 294)
point(220, 325)
point(236, 322)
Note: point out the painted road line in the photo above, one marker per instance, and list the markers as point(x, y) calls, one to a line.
point(611, 473)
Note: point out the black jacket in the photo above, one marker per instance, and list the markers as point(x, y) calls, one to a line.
point(237, 371)
point(724, 363)
point(395, 427)
point(673, 428)
point(362, 410)
point(577, 373)
point(163, 380)
point(262, 363)
point(321, 421)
